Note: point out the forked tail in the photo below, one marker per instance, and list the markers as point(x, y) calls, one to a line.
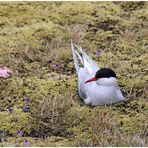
point(80, 55)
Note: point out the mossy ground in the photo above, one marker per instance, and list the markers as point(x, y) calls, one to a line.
point(34, 36)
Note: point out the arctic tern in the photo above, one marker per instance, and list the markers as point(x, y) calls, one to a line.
point(96, 86)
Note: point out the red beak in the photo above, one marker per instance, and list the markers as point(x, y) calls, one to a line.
point(90, 80)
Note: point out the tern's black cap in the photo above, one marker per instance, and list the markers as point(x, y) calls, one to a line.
point(105, 73)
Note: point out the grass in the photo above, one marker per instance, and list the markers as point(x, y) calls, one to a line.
point(35, 36)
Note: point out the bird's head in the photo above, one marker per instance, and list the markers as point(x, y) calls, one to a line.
point(105, 77)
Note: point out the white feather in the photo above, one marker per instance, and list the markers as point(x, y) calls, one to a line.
point(103, 91)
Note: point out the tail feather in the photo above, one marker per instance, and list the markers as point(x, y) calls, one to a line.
point(86, 61)
point(75, 58)
point(80, 57)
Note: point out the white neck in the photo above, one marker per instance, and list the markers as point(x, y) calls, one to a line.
point(107, 81)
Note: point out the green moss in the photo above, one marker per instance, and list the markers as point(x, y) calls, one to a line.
point(36, 36)
point(17, 120)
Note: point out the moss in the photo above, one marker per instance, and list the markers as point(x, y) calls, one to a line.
point(17, 120)
point(36, 36)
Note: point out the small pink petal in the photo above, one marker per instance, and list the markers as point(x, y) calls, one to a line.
point(4, 72)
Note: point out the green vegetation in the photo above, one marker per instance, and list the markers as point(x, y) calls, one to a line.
point(35, 45)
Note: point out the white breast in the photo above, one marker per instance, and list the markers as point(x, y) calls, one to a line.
point(104, 91)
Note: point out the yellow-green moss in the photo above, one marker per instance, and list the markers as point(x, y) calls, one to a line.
point(16, 121)
point(36, 36)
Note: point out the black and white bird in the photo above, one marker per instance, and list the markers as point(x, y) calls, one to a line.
point(96, 86)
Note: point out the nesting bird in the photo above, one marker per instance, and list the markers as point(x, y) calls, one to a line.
point(96, 86)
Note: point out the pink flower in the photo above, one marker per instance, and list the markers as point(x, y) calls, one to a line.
point(4, 72)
